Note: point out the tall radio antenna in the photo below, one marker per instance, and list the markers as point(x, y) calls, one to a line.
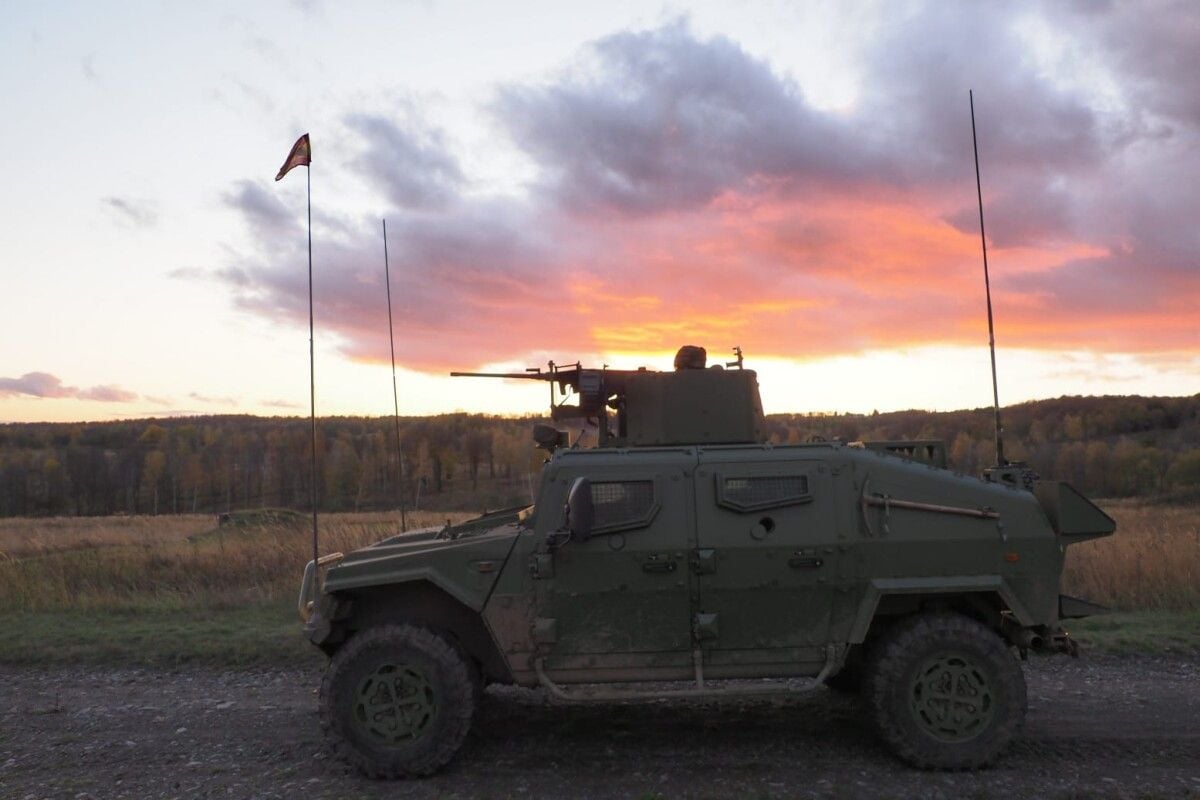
point(1000, 460)
point(387, 279)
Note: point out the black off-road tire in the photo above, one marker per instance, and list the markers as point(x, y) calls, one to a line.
point(929, 668)
point(386, 662)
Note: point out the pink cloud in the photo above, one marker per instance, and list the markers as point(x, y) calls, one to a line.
point(45, 385)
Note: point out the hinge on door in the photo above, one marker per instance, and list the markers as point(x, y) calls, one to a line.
point(541, 565)
point(545, 630)
point(704, 561)
point(704, 626)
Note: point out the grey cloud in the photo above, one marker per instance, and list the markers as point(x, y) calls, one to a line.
point(914, 101)
point(45, 385)
point(665, 120)
point(138, 212)
point(1154, 49)
point(280, 404)
point(410, 162)
point(449, 272)
point(1023, 215)
point(202, 398)
point(187, 273)
point(263, 211)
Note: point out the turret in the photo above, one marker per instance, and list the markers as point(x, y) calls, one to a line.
point(693, 404)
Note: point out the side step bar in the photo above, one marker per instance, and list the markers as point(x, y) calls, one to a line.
point(835, 655)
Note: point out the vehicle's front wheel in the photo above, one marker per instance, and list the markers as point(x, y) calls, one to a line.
point(397, 701)
point(945, 692)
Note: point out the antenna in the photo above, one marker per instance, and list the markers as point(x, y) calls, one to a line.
point(387, 279)
point(1000, 460)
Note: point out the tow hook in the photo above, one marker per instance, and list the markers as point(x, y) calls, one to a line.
point(1044, 641)
point(1061, 642)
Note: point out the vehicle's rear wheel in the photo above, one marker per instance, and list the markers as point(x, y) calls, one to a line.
point(945, 692)
point(397, 701)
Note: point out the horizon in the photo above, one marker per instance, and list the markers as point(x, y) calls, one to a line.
point(603, 184)
point(517, 416)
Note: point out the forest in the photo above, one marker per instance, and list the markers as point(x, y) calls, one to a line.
point(1119, 446)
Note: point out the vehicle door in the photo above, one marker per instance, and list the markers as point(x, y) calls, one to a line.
point(765, 556)
point(618, 601)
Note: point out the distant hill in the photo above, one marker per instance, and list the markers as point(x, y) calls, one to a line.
point(1107, 446)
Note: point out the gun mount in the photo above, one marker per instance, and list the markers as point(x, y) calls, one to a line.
point(693, 404)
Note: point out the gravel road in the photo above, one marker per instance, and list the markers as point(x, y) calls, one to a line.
point(1097, 727)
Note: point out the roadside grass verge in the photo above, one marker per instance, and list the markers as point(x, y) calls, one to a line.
point(269, 635)
point(252, 636)
point(1138, 632)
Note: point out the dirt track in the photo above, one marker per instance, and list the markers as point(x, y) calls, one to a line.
point(1097, 727)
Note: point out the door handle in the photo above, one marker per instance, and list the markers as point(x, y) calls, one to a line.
point(800, 562)
point(659, 566)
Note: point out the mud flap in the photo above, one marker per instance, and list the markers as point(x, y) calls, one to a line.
point(1075, 608)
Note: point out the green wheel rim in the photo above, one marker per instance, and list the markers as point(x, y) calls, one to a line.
point(951, 697)
point(394, 704)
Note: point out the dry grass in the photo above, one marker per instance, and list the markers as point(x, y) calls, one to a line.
point(165, 563)
point(188, 563)
point(21, 537)
point(1152, 562)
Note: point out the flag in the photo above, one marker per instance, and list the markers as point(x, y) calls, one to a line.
point(301, 155)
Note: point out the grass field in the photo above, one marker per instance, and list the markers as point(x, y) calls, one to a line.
point(1152, 562)
point(180, 589)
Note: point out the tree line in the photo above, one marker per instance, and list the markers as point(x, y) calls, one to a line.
point(1106, 446)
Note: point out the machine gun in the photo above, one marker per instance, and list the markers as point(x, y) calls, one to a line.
point(691, 405)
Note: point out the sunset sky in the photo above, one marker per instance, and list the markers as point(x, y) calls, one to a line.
point(603, 182)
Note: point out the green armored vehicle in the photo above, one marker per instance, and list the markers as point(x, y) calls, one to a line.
point(685, 554)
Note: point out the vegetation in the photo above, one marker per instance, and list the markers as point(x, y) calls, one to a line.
point(174, 589)
point(1152, 563)
point(190, 564)
point(1107, 446)
point(184, 586)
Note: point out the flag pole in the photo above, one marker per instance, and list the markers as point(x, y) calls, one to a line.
point(312, 376)
point(387, 279)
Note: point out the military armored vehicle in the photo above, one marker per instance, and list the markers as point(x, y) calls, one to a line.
point(685, 554)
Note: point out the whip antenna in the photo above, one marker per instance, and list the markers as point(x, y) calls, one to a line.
point(987, 284)
point(387, 279)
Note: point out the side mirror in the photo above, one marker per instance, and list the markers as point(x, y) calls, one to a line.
point(580, 513)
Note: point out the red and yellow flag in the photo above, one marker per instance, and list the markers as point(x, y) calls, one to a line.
point(301, 155)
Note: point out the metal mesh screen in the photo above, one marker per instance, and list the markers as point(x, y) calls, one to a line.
point(621, 502)
point(764, 491)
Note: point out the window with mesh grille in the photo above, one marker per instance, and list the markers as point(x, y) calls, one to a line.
point(622, 504)
point(768, 491)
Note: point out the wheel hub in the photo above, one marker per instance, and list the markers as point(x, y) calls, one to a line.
point(951, 697)
point(394, 704)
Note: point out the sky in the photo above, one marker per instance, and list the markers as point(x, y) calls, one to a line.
point(602, 182)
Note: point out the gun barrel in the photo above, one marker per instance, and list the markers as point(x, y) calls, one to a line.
point(528, 376)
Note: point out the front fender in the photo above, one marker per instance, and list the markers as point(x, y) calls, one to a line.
point(465, 568)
